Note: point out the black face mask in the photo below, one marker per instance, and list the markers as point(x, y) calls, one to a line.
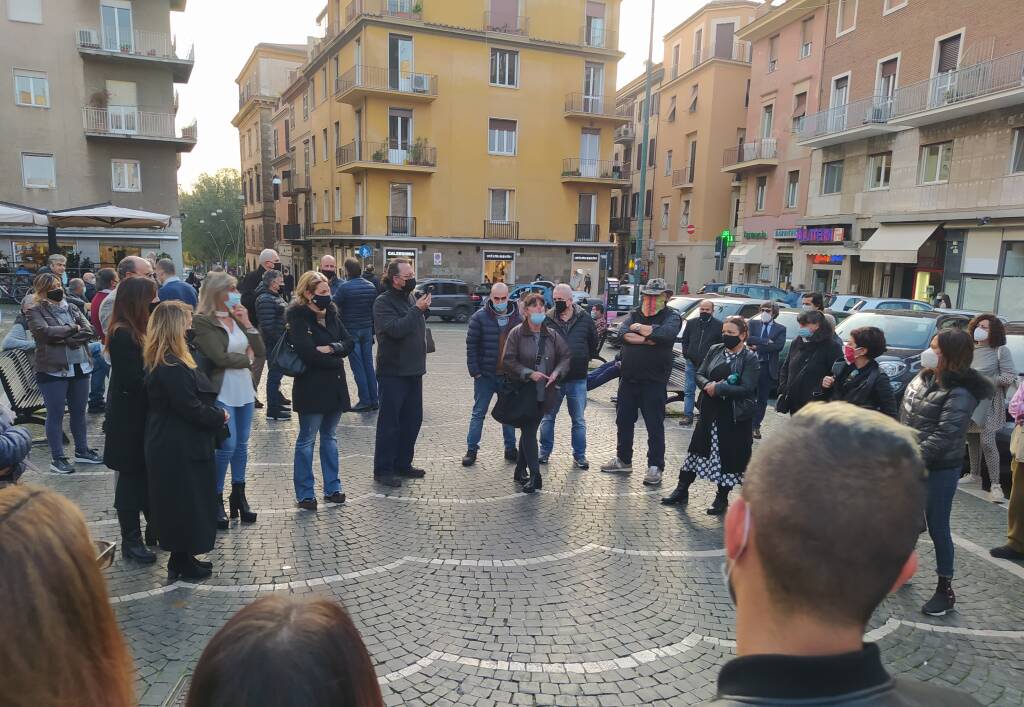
point(277, 266)
point(409, 286)
point(329, 274)
point(561, 306)
point(55, 295)
point(322, 301)
point(731, 341)
point(705, 317)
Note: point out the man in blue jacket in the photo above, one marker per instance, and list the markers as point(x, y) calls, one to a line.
point(354, 298)
point(485, 339)
point(171, 287)
point(767, 337)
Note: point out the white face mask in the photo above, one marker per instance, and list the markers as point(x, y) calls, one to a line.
point(766, 317)
point(980, 335)
point(929, 359)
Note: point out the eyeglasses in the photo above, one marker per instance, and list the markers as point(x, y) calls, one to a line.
point(104, 553)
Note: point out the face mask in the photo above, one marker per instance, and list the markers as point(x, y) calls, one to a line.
point(705, 317)
point(807, 307)
point(651, 306)
point(726, 567)
point(561, 306)
point(537, 318)
point(409, 286)
point(322, 301)
point(731, 341)
point(329, 274)
point(804, 332)
point(849, 353)
point(234, 299)
point(929, 359)
point(55, 295)
point(766, 317)
point(277, 266)
point(500, 307)
point(980, 335)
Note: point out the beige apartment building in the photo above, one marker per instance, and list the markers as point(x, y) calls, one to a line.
point(704, 97)
point(266, 73)
point(917, 169)
point(89, 113)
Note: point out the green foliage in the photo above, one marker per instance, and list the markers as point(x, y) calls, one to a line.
point(207, 238)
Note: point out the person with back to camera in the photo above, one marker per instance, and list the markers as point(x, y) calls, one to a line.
point(354, 299)
point(937, 405)
point(992, 359)
point(767, 338)
point(858, 379)
point(811, 356)
point(270, 307)
point(802, 607)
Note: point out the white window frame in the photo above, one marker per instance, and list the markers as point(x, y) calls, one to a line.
point(10, 7)
point(773, 59)
point(792, 195)
point(806, 43)
point(839, 16)
point(888, 8)
point(760, 193)
point(945, 150)
point(515, 138)
point(115, 164)
point(898, 56)
point(684, 213)
point(325, 151)
point(325, 207)
point(24, 176)
point(323, 79)
point(1018, 144)
point(33, 77)
point(935, 50)
point(870, 172)
point(668, 163)
point(337, 203)
point(508, 205)
point(666, 208)
point(498, 51)
point(767, 111)
point(824, 175)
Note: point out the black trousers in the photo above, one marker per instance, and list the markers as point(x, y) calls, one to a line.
point(398, 423)
point(764, 389)
point(645, 398)
point(131, 496)
point(528, 451)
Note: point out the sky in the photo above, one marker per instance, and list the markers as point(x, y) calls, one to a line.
point(225, 31)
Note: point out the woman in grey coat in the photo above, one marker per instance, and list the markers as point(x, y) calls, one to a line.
point(993, 360)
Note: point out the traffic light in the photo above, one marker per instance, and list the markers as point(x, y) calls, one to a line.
point(722, 244)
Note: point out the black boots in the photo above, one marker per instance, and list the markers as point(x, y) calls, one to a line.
point(222, 518)
point(534, 483)
point(132, 547)
point(470, 458)
point(721, 502)
point(238, 505)
point(681, 494)
point(181, 564)
point(942, 601)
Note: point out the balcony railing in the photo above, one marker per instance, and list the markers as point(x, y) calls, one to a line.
point(594, 169)
point(964, 84)
point(131, 122)
point(401, 225)
point(625, 133)
point(873, 110)
point(156, 45)
point(737, 50)
point(296, 184)
point(391, 152)
point(507, 230)
point(599, 38)
point(506, 23)
point(765, 149)
point(403, 9)
point(682, 177)
point(294, 231)
point(619, 224)
point(376, 78)
point(588, 232)
point(596, 106)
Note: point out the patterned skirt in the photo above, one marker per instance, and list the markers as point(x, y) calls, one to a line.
point(710, 467)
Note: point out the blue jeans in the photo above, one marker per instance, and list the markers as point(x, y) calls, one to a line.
point(764, 391)
point(302, 474)
point(235, 449)
point(576, 393)
point(100, 369)
point(361, 362)
point(58, 394)
point(689, 387)
point(941, 489)
point(484, 388)
point(604, 374)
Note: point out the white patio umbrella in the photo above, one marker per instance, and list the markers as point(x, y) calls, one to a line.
point(14, 215)
point(107, 215)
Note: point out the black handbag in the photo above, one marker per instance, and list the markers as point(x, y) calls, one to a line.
point(742, 408)
point(517, 403)
point(284, 357)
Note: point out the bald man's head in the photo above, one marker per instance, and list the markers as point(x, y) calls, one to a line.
point(329, 266)
point(499, 289)
point(562, 291)
point(134, 266)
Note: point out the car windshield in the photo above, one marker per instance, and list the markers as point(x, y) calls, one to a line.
point(722, 310)
point(788, 320)
point(683, 304)
point(1015, 342)
point(913, 333)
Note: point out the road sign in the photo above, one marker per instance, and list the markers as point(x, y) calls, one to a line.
point(364, 251)
point(691, 229)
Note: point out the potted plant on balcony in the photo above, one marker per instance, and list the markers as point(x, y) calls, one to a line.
point(417, 9)
point(100, 99)
point(418, 152)
point(379, 155)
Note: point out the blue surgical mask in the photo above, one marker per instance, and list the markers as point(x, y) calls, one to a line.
point(500, 307)
point(234, 299)
point(804, 332)
point(537, 318)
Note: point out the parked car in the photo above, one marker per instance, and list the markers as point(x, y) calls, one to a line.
point(710, 287)
point(480, 294)
point(724, 307)
point(842, 303)
point(787, 318)
point(761, 292)
point(907, 334)
point(888, 303)
point(683, 304)
point(517, 292)
point(450, 299)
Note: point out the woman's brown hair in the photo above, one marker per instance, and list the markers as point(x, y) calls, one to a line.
point(957, 348)
point(131, 307)
point(739, 322)
point(62, 645)
point(532, 299)
point(165, 336)
point(996, 330)
point(43, 284)
point(284, 652)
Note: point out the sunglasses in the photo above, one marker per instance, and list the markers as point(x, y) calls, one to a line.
point(104, 553)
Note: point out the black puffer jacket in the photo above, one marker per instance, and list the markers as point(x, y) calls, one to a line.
point(580, 334)
point(866, 387)
point(940, 412)
point(270, 315)
point(485, 338)
point(808, 363)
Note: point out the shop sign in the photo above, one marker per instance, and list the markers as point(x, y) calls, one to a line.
point(785, 234)
point(755, 235)
point(499, 255)
point(409, 253)
point(827, 259)
point(584, 257)
point(821, 235)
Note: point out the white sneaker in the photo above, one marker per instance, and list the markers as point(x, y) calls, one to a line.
point(969, 479)
point(653, 476)
point(996, 496)
point(616, 466)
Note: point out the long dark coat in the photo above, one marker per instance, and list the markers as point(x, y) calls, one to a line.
point(181, 432)
point(125, 424)
point(323, 388)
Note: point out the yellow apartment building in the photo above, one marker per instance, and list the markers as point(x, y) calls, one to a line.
point(474, 137)
point(704, 97)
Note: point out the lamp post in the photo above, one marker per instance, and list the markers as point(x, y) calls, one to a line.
point(644, 159)
point(221, 248)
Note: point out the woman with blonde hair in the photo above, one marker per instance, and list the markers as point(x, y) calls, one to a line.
point(227, 343)
point(182, 427)
point(320, 394)
point(63, 646)
point(63, 365)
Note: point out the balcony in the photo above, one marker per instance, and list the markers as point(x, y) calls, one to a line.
point(968, 91)
point(401, 225)
point(360, 82)
point(619, 224)
point(759, 154)
point(737, 50)
point(502, 230)
point(400, 9)
point(588, 233)
point(599, 38)
point(586, 171)
point(860, 119)
point(504, 23)
point(390, 156)
point(682, 178)
point(625, 134)
point(129, 123)
point(139, 47)
point(296, 184)
point(295, 232)
point(578, 105)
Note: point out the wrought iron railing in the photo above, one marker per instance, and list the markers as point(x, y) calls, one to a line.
point(682, 177)
point(587, 232)
point(381, 79)
point(764, 149)
point(392, 152)
point(594, 169)
point(599, 37)
point(872, 110)
point(157, 45)
point(508, 230)
point(130, 121)
point(506, 23)
point(401, 225)
point(596, 105)
point(986, 78)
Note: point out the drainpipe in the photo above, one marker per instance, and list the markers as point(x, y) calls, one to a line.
point(644, 158)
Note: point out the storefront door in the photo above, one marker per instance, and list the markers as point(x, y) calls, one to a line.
point(499, 266)
point(586, 272)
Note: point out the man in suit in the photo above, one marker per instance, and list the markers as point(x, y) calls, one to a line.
point(767, 337)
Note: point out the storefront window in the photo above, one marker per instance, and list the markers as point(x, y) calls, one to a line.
point(979, 294)
point(113, 253)
point(499, 266)
point(31, 255)
point(1011, 290)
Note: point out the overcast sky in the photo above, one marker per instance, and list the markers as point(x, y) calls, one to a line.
point(225, 31)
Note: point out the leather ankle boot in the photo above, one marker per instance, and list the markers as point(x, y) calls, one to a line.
point(132, 548)
point(681, 494)
point(534, 483)
point(721, 502)
point(222, 518)
point(239, 506)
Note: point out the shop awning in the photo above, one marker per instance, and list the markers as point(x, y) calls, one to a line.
point(747, 254)
point(896, 243)
point(108, 215)
point(14, 215)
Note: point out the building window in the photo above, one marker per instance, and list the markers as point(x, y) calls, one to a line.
point(31, 88)
point(948, 55)
point(277, 145)
point(500, 205)
point(323, 81)
point(648, 203)
point(1017, 156)
point(326, 206)
point(668, 163)
point(327, 146)
point(126, 175)
point(773, 53)
point(684, 214)
point(337, 67)
point(501, 137)
point(305, 106)
point(312, 142)
point(312, 206)
point(693, 97)
point(692, 163)
point(893, 5)
point(879, 167)
point(337, 134)
point(887, 71)
point(935, 161)
point(832, 177)
point(504, 68)
point(759, 194)
point(793, 189)
point(799, 111)
point(651, 155)
point(337, 203)
point(767, 116)
point(38, 171)
point(846, 16)
point(806, 32)
point(25, 11)
point(672, 109)
point(259, 187)
point(665, 206)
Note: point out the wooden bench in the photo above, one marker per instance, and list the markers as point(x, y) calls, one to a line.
point(18, 377)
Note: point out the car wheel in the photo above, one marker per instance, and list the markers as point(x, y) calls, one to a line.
point(462, 315)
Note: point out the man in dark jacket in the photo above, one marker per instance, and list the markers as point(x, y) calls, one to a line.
point(577, 328)
point(371, 277)
point(171, 286)
point(802, 608)
point(400, 323)
point(269, 260)
point(700, 335)
point(329, 269)
point(270, 308)
point(485, 339)
point(767, 337)
point(651, 332)
point(354, 298)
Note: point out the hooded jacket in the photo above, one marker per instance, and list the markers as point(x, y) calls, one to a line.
point(580, 334)
point(485, 338)
point(940, 412)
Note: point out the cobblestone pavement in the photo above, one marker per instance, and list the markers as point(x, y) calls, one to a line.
point(466, 592)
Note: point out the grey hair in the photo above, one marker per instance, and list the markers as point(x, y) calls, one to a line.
point(267, 254)
point(166, 266)
point(56, 258)
point(270, 275)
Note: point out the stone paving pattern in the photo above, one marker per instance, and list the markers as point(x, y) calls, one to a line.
point(467, 592)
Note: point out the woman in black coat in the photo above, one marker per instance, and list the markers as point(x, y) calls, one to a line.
point(858, 379)
point(182, 427)
point(724, 436)
point(320, 394)
point(125, 424)
point(811, 356)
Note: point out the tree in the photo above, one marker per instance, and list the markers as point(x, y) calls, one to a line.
point(211, 228)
